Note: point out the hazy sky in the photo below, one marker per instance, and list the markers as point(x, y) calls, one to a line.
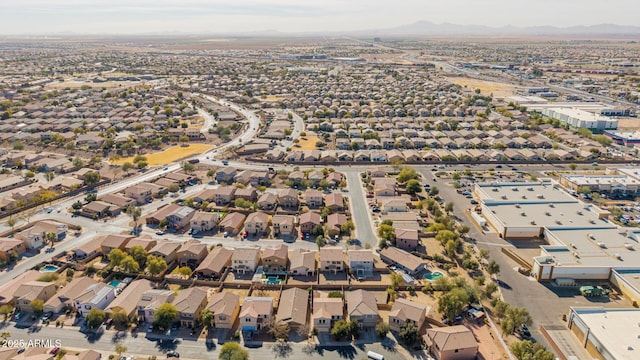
point(218, 16)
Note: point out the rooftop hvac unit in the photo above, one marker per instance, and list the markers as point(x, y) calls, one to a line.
point(551, 205)
point(592, 221)
point(618, 257)
point(518, 206)
point(628, 246)
point(547, 213)
point(524, 196)
point(540, 196)
point(495, 189)
point(533, 222)
point(523, 213)
point(573, 245)
point(514, 188)
point(558, 222)
point(530, 188)
point(579, 212)
point(575, 254)
point(602, 245)
point(504, 197)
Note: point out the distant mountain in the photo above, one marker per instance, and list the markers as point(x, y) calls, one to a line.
point(427, 28)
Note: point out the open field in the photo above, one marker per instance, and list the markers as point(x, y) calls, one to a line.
point(629, 123)
point(486, 87)
point(308, 142)
point(71, 84)
point(170, 155)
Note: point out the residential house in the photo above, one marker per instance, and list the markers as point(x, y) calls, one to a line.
point(180, 218)
point(128, 299)
point(32, 290)
point(406, 239)
point(362, 307)
point(225, 307)
point(9, 288)
point(259, 178)
point(296, 177)
point(315, 177)
point(245, 260)
point(225, 175)
point(161, 214)
point(283, 225)
point(331, 259)
point(293, 308)
point(257, 223)
point(232, 223)
point(274, 259)
point(208, 195)
point(302, 262)
point(452, 343)
point(406, 311)
point(11, 248)
point(308, 221)
point(361, 262)
point(150, 301)
point(140, 194)
point(204, 221)
point(224, 195)
point(248, 193)
point(191, 253)
point(268, 201)
point(100, 209)
point(326, 312)
point(35, 237)
point(335, 222)
point(288, 198)
point(82, 355)
point(215, 263)
point(144, 241)
point(96, 296)
point(395, 204)
point(313, 198)
point(190, 303)
point(402, 260)
point(114, 241)
point(64, 297)
point(335, 202)
point(119, 201)
point(334, 179)
point(255, 313)
point(166, 250)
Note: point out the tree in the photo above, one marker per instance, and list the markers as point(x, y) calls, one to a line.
point(448, 207)
point(526, 350)
point(37, 306)
point(95, 317)
point(119, 318)
point(453, 302)
point(120, 349)
point(342, 329)
point(139, 254)
point(443, 236)
point(183, 270)
point(320, 241)
point(18, 146)
point(434, 191)
point(233, 351)
point(129, 264)
point(413, 187)
point(278, 329)
point(6, 310)
point(385, 231)
point(514, 317)
point(207, 317)
point(51, 238)
point(29, 174)
point(407, 174)
point(115, 257)
point(573, 166)
point(78, 163)
point(49, 175)
point(11, 222)
point(126, 167)
point(396, 280)
point(155, 265)
point(493, 267)
point(165, 315)
point(382, 329)
point(188, 167)
point(91, 197)
point(91, 177)
point(211, 174)
point(142, 164)
point(408, 333)
point(134, 213)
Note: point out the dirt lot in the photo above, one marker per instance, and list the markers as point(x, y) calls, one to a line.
point(628, 123)
point(308, 142)
point(170, 155)
point(274, 294)
point(486, 87)
point(242, 293)
point(488, 345)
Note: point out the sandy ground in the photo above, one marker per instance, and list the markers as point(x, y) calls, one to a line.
point(107, 84)
point(486, 87)
point(629, 123)
point(308, 142)
point(170, 155)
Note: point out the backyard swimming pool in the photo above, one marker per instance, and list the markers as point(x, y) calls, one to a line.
point(49, 268)
point(433, 275)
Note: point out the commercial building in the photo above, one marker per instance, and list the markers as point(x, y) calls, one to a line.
point(581, 118)
point(609, 334)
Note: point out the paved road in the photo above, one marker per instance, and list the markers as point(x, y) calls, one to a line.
point(298, 128)
point(208, 121)
point(143, 345)
point(359, 210)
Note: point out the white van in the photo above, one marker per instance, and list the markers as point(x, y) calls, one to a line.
point(374, 355)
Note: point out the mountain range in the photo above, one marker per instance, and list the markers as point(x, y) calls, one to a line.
point(427, 28)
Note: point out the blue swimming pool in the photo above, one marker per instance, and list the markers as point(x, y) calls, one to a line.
point(49, 268)
point(433, 275)
point(272, 280)
point(114, 283)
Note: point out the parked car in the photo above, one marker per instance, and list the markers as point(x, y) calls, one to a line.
point(54, 350)
point(173, 353)
point(160, 232)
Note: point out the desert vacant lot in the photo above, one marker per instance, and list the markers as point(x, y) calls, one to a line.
point(170, 155)
point(308, 142)
point(486, 87)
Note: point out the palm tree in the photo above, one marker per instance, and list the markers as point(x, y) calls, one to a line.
point(51, 238)
point(134, 212)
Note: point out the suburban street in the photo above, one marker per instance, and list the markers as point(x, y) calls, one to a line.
point(360, 210)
